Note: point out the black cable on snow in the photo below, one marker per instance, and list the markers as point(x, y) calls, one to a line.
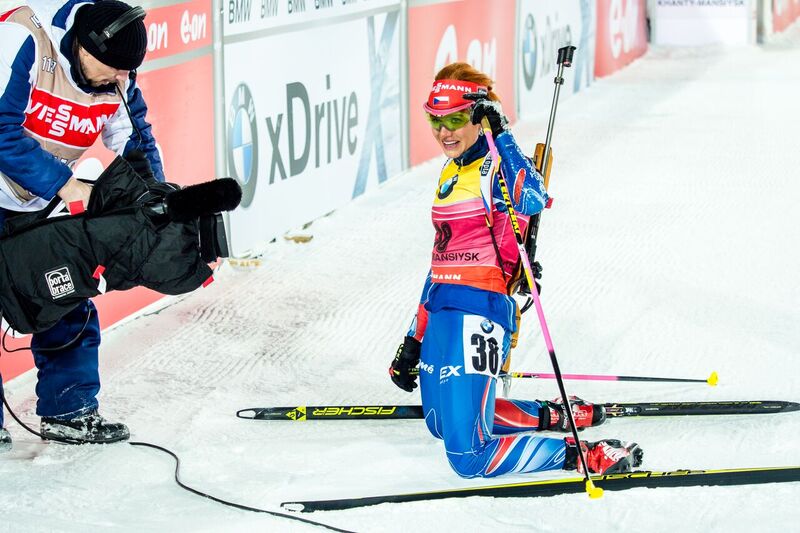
point(180, 483)
point(65, 440)
point(232, 504)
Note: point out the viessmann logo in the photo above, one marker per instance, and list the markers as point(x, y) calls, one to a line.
point(71, 123)
point(450, 87)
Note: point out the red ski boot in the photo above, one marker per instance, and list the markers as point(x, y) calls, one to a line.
point(608, 456)
point(554, 414)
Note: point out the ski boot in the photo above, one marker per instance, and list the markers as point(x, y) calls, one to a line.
point(5, 440)
point(87, 428)
point(607, 456)
point(554, 414)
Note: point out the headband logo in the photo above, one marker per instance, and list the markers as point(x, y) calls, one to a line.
point(448, 86)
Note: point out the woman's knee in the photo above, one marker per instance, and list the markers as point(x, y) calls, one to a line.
point(466, 465)
point(434, 423)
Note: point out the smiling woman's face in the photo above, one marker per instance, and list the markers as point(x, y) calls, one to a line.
point(454, 143)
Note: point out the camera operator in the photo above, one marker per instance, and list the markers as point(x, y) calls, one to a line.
point(67, 76)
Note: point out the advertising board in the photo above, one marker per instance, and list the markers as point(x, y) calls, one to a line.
point(443, 33)
point(621, 34)
point(309, 130)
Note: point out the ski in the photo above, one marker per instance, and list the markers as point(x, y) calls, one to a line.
point(555, 487)
point(755, 407)
point(613, 410)
point(302, 413)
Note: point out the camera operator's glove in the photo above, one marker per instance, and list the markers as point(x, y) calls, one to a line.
point(489, 109)
point(403, 370)
point(139, 162)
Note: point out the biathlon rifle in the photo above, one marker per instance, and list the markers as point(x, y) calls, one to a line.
point(543, 161)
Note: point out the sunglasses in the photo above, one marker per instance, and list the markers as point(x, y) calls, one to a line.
point(452, 122)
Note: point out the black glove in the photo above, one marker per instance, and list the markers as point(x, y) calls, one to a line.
point(537, 275)
point(404, 370)
point(138, 160)
point(489, 109)
point(537, 270)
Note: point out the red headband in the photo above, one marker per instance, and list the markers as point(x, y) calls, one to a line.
point(447, 96)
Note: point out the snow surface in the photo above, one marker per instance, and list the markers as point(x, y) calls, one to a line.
point(672, 249)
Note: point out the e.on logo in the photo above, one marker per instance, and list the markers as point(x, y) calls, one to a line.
point(622, 21)
point(193, 27)
point(157, 36)
point(482, 56)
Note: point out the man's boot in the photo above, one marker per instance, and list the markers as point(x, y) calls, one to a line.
point(86, 428)
point(5, 440)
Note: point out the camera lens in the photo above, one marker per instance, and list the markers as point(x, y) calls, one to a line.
point(213, 240)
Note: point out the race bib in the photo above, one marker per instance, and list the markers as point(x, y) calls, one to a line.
point(483, 346)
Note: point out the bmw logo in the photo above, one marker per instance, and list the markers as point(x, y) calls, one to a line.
point(447, 187)
point(243, 142)
point(487, 326)
point(529, 52)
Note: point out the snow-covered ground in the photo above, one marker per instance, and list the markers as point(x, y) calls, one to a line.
point(671, 249)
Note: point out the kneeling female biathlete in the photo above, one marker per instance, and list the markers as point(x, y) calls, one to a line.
point(461, 334)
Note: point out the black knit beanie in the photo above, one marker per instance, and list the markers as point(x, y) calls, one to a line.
point(126, 49)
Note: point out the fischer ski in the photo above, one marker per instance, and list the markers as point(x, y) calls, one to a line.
point(555, 487)
point(756, 407)
point(302, 413)
point(613, 410)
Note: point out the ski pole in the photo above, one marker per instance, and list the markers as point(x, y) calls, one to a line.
point(712, 380)
point(591, 489)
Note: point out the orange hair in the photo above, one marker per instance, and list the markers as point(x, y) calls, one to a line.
point(466, 72)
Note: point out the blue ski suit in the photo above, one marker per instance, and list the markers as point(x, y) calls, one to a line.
point(466, 318)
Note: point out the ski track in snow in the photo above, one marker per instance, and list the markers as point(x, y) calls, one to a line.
point(671, 249)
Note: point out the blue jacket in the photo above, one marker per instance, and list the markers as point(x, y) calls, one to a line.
point(47, 118)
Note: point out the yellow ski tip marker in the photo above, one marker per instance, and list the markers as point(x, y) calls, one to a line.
point(713, 379)
point(593, 492)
